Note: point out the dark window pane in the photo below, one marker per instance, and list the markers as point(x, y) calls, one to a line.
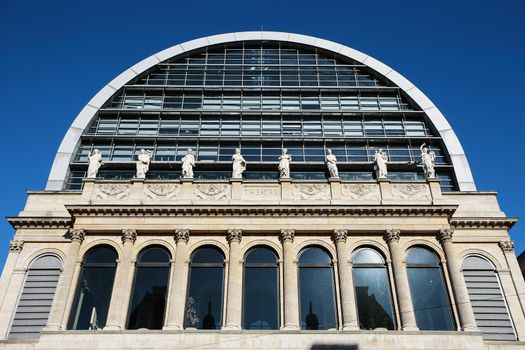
point(204, 301)
point(102, 254)
point(314, 255)
point(316, 290)
point(207, 255)
point(261, 298)
point(260, 255)
point(155, 255)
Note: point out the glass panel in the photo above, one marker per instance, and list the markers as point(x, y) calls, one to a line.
point(101, 255)
point(260, 255)
point(314, 255)
point(418, 255)
point(261, 297)
point(367, 256)
point(204, 301)
point(316, 290)
point(207, 256)
point(155, 255)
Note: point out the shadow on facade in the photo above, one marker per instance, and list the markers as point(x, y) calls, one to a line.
point(334, 347)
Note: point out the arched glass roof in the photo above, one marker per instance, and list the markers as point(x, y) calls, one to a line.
point(260, 95)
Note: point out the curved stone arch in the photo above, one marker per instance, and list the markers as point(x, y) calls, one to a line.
point(434, 247)
point(383, 250)
point(42, 252)
point(316, 242)
point(154, 242)
point(85, 248)
point(67, 147)
point(479, 253)
point(206, 242)
point(263, 242)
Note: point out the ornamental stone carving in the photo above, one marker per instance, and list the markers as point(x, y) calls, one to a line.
point(428, 159)
point(507, 246)
point(16, 246)
point(331, 164)
point(361, 191)
point(411, 191)
point(380, 160)
point(234, 235)
point(182, 235)
point(212, 191)
point(391, 235)
point(284, 164)
point(339, 235)
point(287, 235)
point(238, 164)
point(310, 191)
point(161, 191)
point(445, 235)
point(76, 234)
point(143, 162)
point(95, 162)
point(188, 162)
point(129, 235)
point(112, 191)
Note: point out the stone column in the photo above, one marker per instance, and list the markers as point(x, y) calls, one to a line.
point(234, 298)
point(291, 295)
point(346, 281)
point(177, 299)
point(465, 313)
point(65, 282)
point(406, 308)
point(118, 305)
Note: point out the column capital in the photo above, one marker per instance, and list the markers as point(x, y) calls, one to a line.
point(182, 235)
point(507, 246)
point(444, 235)
point(129, 235)
point(76, 234)
point(391, 235)
point(16, 245)
point(287, 234)
point(339, 235)
point(234, 235)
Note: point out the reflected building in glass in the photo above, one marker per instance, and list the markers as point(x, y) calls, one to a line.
point(106, 258)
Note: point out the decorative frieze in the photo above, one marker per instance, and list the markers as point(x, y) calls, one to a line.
point(234, 235)
point(339, 235)
point(76, 234)
point(182, 235)
point(507, 246)
point(361, 191)
point(112, 191)
point(129, 235)
point(287, 235)
point(310, 191)
point(391, 235)
point(162, 191)
point(254, 193)
point(445, 235)
point(212, 191)
point(411, 191)
point(16, 245)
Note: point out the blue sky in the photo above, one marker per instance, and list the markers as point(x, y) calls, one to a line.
point(466, 56)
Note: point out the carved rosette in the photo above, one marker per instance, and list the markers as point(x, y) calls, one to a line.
point(234, 235)
point(76, 234)
point(287, 235)
point(112, 191)
point(211, 191)
point(339, 236)
point(310, 191)
point(162, 191)
point(411, 191)
point(16, 246)
point(507, 246)
point(391, 235)
point(182, 235)
point(361, 191)
point(129, 235)
point(444, 235)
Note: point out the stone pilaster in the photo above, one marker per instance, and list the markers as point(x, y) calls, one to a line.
point(118, 305)
point(177, 299)
point(64, 287)
point(291, 295)
point(406, 308)
point(464, 308)
point(234, 296)
point(346, 281)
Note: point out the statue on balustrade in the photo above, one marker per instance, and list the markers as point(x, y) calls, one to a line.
point(284, 164)
point(95, 162)
point(188, 162)
point(380, 159)
point(144, 159)
point(428, 159)
point(239, 164)
point(331, 163)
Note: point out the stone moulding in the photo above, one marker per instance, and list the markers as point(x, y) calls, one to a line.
point(489, 223)
point(361, 191)
point(411, 191)
point(160, 191)
point(211, 191)
point(310, 191)
point(40, 222)
point(112, 191)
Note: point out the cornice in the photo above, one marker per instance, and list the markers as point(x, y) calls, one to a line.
point(483, 223)
point(19, 222)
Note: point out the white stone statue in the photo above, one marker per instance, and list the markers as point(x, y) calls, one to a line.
point(331, 163)
point(239, 164)
point(95, 162)
point(188, 162)
point(380, 159)
point(284, 164)
point(143, 161)
point(428, 158)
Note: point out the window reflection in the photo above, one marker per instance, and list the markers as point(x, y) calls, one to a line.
point(372, 289)
point(95, 284)
point(261, 289)
point(205, 289)
point(148, 301)
point(429, 297)
point(316, 289)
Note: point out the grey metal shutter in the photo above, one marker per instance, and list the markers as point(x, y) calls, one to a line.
point(488, 303)
point(35, 301)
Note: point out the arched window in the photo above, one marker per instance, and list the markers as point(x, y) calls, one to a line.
point(429, 296)
point(316, 289)
point(261, 289)
point(150, 287)
point(205, 290)
point(95, 284)
point(487, 300)
point(372, 290)
point(37, 295)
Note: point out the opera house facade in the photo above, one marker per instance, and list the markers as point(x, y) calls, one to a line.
point(261, 190)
